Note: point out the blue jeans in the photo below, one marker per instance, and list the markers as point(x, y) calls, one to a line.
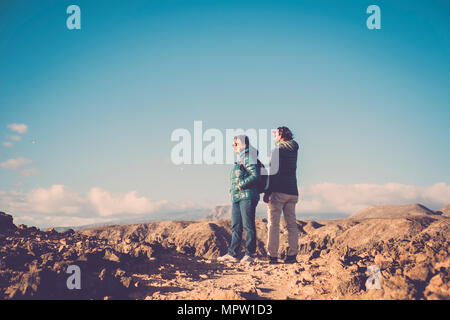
point(243, 216)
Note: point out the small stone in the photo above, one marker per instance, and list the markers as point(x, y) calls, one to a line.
point(111, 256)
point(353, 268)
point(315, 254)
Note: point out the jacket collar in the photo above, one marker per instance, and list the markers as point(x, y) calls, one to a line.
point(241, 155)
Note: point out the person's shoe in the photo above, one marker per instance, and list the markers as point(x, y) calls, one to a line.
point(227, 258)
point(273, 260)
point(247, 259)
point(291, 259)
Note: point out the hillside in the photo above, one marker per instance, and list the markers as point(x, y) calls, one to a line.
point(396, 211)
point(446, 211)
point(176, 260)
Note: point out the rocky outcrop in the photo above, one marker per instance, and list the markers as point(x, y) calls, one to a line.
point(34, 264)
point(202, 239)
point(409, 251)
point(6, 222)
point(398, 211)
point(446, 211)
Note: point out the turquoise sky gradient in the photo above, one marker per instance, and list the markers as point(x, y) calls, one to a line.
point(366, 106)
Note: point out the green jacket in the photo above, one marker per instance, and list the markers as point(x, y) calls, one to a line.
point(245, 174)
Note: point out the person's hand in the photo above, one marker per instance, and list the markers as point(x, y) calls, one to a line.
point(266, 198)
point(239, 188)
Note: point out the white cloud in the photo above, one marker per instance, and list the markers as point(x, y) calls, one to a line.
point(18, 127)
point(56, 199)
point(438, 194)
point(107, 204)
point(348, 199)
point(7, 144)
point(60, 200)
point(15, 138)
point(14, 164)
point(29, 172)
point(60, 206)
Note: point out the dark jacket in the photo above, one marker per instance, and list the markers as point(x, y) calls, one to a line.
point(285, 180)
point(244, 174)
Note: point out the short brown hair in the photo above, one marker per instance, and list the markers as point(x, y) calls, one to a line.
point(285, 133)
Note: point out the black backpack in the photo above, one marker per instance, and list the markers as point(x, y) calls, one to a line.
point(262, 181)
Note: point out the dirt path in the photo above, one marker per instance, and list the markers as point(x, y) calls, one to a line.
point(181, 277)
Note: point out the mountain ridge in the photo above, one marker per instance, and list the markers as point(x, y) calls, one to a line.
point(394, 211)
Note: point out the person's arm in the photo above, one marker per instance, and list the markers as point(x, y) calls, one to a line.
point(253, 177)
point(274, 169)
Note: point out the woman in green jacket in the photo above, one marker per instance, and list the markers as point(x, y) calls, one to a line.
point(244, 195)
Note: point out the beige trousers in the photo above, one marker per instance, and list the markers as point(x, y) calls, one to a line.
point(281, 202)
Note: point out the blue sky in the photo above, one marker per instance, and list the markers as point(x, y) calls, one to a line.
point(368, 107)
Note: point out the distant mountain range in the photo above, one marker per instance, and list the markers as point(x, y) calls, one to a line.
point(192, 215)
point(395, 211)
point(224, 212)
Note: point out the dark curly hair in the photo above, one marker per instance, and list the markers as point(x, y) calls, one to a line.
point(285, 133)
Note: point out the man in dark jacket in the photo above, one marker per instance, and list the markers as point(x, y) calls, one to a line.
point(282, 195)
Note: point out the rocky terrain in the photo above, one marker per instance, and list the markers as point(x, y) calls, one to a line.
point(177, 260)
point(446, 211)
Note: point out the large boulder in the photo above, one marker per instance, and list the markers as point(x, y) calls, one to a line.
point(6, 222)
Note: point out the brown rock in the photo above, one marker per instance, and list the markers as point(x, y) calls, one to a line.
point(419, 272)
point(6, 222)
point(351, 285)
point(111, 256)
point(399, 288)
point(52, 231)
point(438, 288)
point(315, 254)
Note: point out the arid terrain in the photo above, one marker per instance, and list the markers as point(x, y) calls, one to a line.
point(177, 260)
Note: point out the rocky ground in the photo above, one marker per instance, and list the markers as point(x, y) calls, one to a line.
point(177, 260)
